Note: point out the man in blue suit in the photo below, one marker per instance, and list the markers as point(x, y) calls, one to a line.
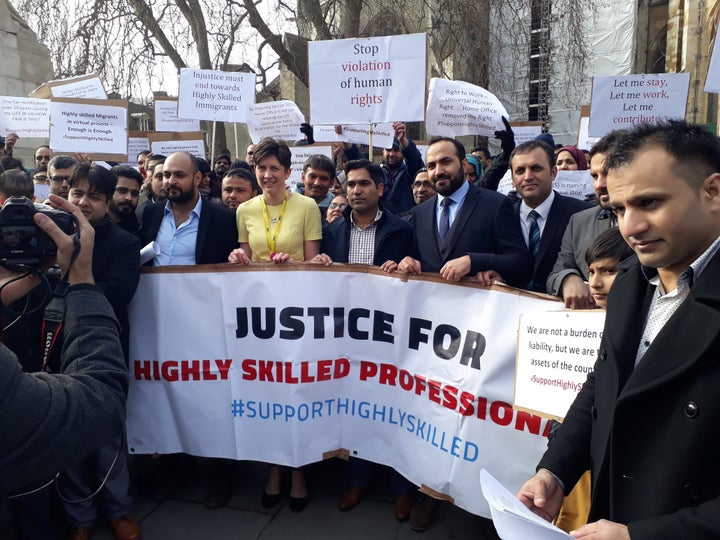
point(465, 230)
point(543, 214)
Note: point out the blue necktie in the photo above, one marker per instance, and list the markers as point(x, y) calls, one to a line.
point(444, 219)
point(534, 233)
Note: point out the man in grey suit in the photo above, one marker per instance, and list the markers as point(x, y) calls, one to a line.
point(568, 278)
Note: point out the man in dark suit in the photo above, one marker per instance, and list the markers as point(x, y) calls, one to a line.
point(188, 230)
point(465, 230)
point(543, 214)
point(645, 422)
point(391, 235)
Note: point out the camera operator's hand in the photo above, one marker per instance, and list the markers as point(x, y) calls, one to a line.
point(81, 271)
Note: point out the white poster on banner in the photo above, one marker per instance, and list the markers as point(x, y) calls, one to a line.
point(215, 95)
point(367, 80)
point(619, 102)
point(382, 134)
point(459, 108)
point(288, 365)
point(299, 156)
point(277, 119)
point(166, 117)
point(712, 81)
point(26, 117)
point(585, 141)
point(556, 351)
point(89, 126)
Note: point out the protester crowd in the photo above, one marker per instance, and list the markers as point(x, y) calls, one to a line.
point(438, 213)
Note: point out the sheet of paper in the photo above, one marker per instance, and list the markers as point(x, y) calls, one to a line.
point(512, 519)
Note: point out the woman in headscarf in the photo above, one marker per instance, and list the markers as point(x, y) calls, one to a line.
point(571, 158)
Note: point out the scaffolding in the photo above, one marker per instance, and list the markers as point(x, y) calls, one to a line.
point(540, 53)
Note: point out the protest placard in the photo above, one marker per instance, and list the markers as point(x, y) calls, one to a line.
point(277, 119)
point(367, 80)
point(299, 156)
point(459, 108)
point(619, 102)
point(26, 117)
point(166, 117)
point(712, 81)
point(192, 142)
point(585, 141)
point(290, 365)
point(382, 134)
point(525, 131)
point(138, 141)
point(556, 351)
point(92, 126)
point(215, 95)
point(575, 184)
point(326, 133)
point(82, 87)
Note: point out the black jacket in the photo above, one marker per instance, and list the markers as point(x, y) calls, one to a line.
point(393, 238)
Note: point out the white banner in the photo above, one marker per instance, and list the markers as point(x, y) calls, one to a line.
point(556, 351)
point(92, 128)
point(619, 102)
point(166, 117)
point(278, 119)
point(285, 366)
point(215, 95)
point(366, 80)
point(26, 117)
point(457, 108)
point(326, 133)
point(299, 156)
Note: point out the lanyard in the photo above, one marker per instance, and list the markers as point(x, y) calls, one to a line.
point(272, 240)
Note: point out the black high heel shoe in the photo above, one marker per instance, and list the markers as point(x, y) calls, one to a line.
point(268, 501)
point(298, 504)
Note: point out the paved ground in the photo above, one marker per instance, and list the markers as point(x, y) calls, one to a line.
point(185, 517)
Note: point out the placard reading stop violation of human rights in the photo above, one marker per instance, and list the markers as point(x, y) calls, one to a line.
point(215, 95)
point(556, 351)
point(360, 81)
point(619, 102)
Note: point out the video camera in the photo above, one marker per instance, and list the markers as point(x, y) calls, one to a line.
point(21, 240)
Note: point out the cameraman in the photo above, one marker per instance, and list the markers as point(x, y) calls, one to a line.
point(49, 421)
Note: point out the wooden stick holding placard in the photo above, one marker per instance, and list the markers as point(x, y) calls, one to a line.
point(237, 147)
point(212, 147)
point(370, 142)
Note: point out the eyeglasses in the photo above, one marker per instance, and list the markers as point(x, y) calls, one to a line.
point(59, 179)
point(337, 206)
point(424, 183)
point(40, 178)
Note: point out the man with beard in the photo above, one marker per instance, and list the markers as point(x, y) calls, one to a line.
point(125, 199)
point(401, 162)
point(221, 165)
point(182, 224)
point(153, 190)
point(465, 230)
point(569, 276)
point(422, 187)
